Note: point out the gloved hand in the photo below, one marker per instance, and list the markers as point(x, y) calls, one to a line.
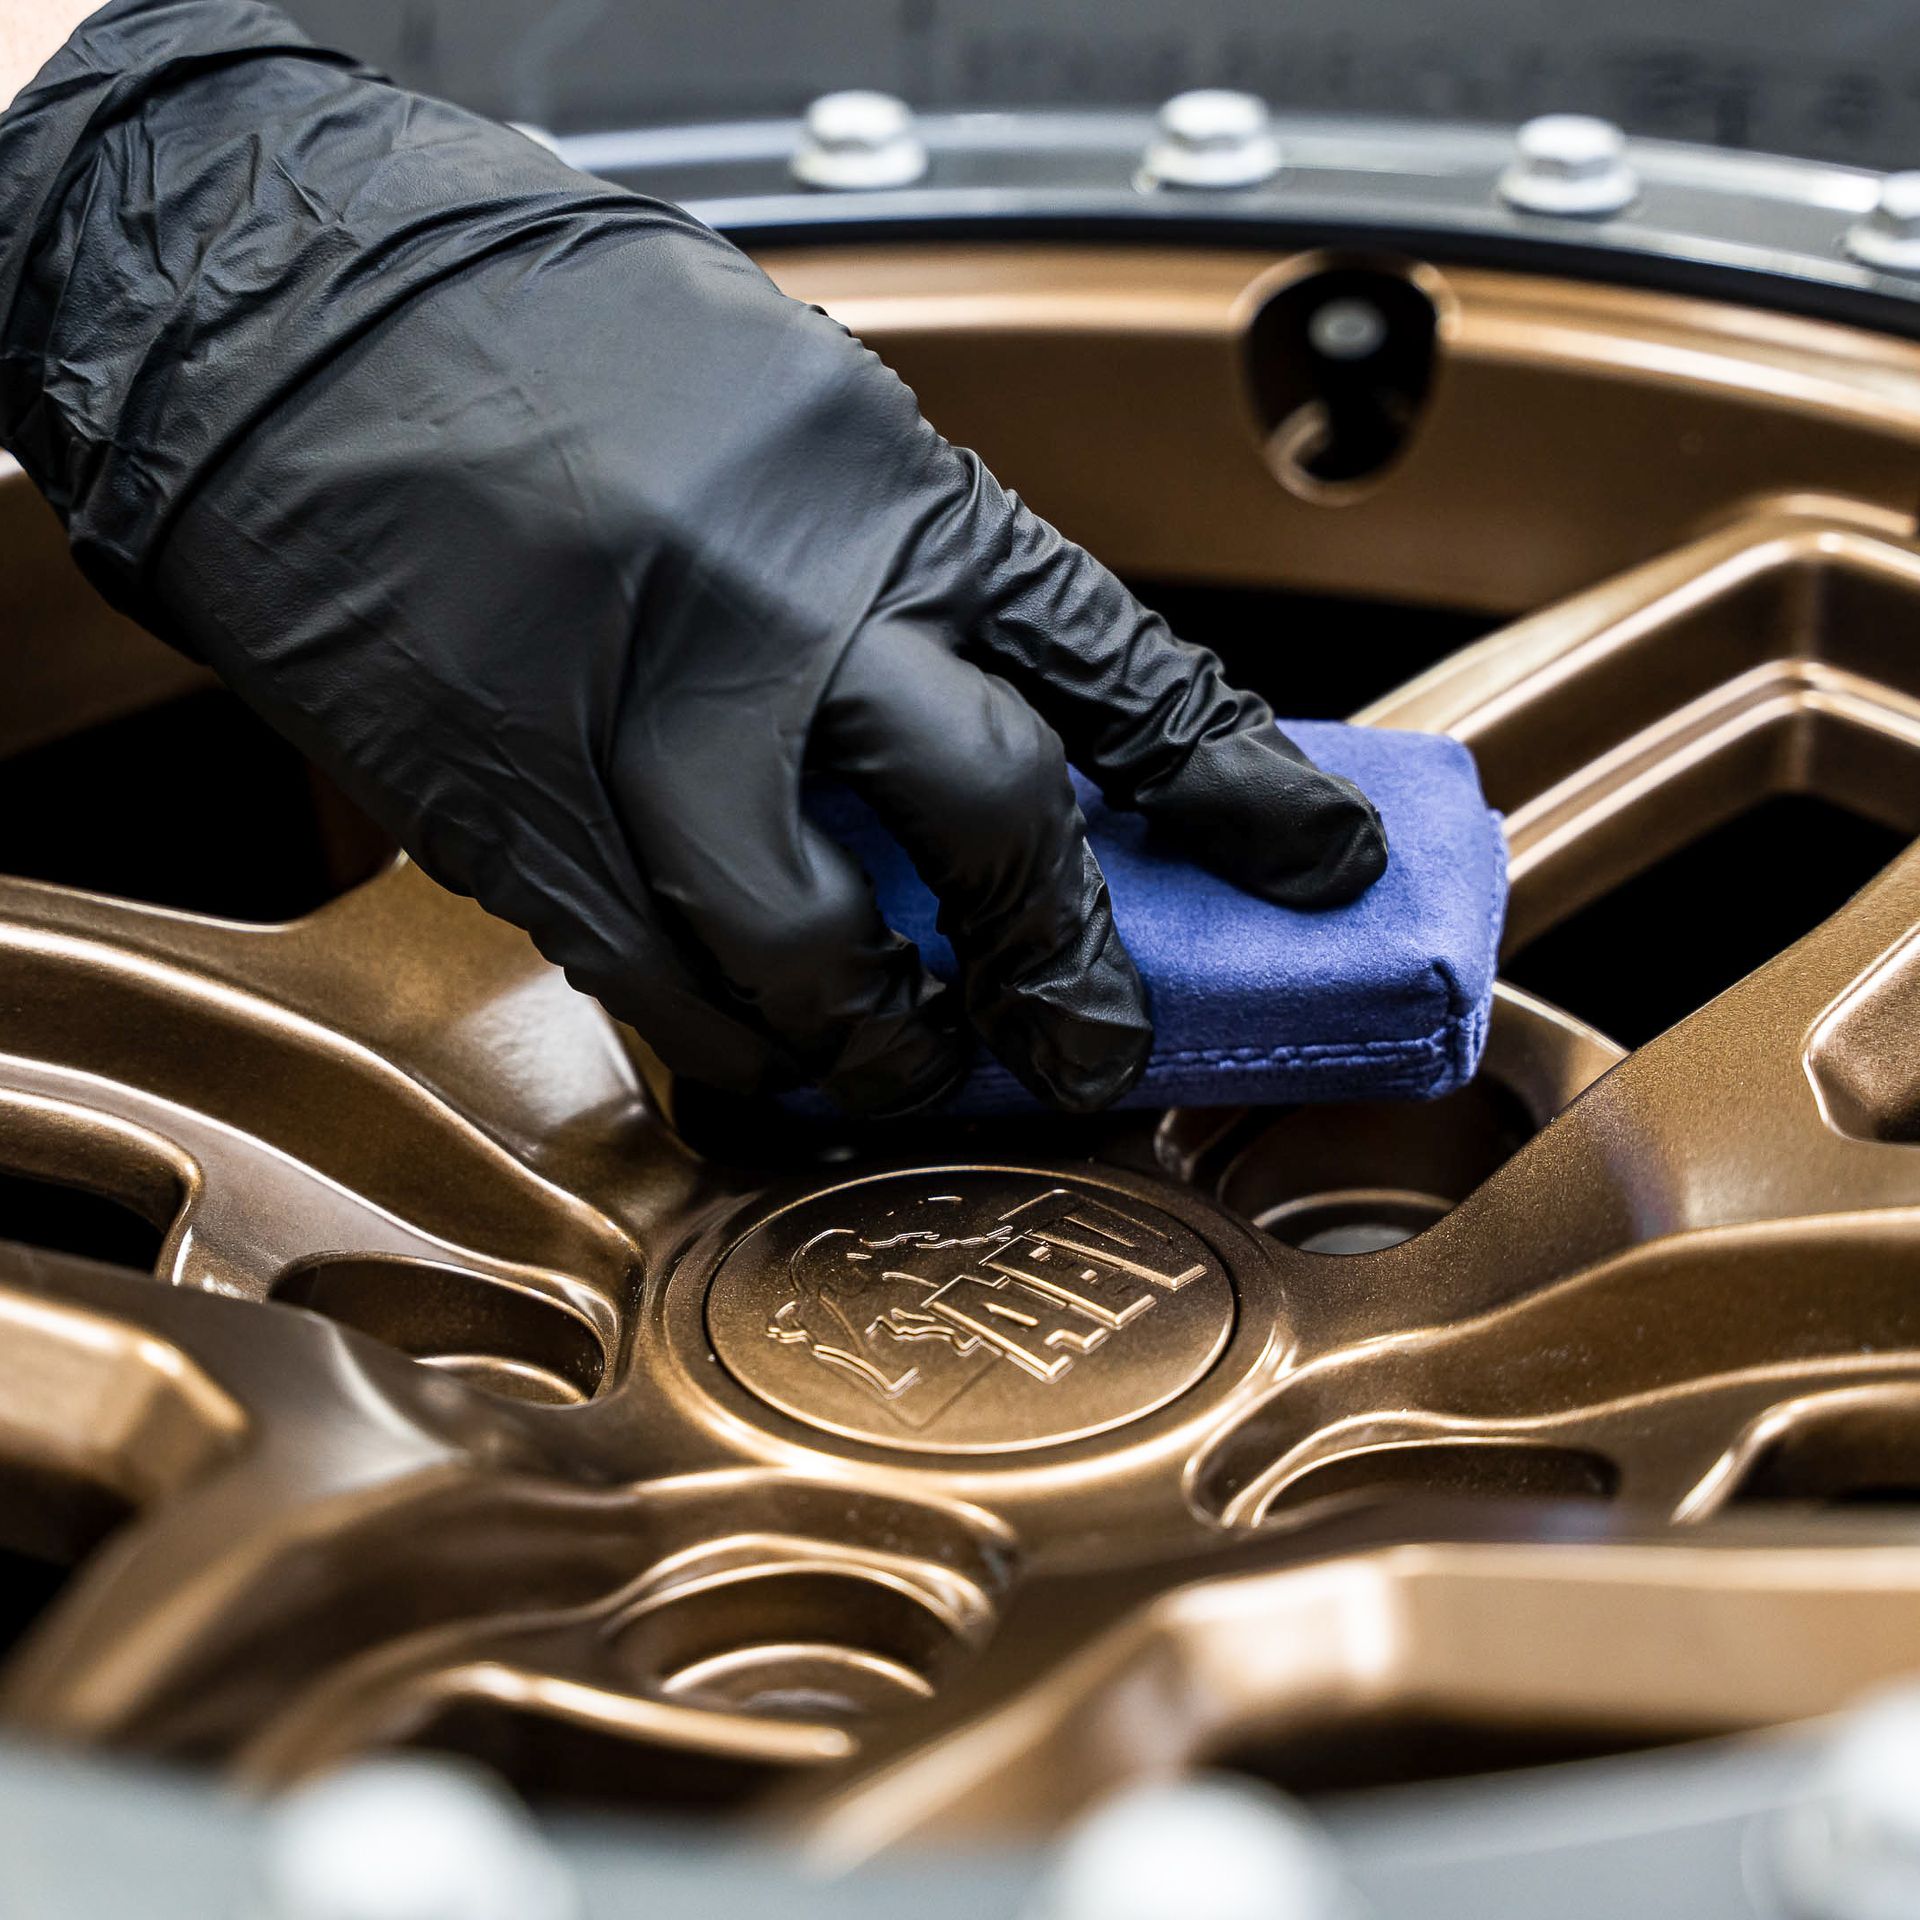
point(533, 512)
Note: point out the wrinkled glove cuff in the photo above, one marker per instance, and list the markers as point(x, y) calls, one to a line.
point(78, 319)
point(205, 207)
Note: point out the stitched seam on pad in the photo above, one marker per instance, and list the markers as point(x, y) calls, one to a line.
point(1466, 1021)
point(1419, 1055)
point(1356, 1050)
point(1474, 1040)
point(1326, 1053)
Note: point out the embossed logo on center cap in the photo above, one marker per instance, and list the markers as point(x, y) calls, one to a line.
point(968, 1312)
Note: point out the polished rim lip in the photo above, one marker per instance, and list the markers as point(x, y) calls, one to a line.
point(1762, 229)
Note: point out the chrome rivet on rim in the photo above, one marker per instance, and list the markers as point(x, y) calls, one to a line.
point(1851, 1850)
point(1889, 237)
point(1570, 165)
point(1212, 138)
point(409, 1839)
point(1197, 1849)
point(857, 142)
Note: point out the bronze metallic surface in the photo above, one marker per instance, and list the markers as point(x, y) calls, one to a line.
point(84, 662)
point(1570, 430)
point(927, 1491)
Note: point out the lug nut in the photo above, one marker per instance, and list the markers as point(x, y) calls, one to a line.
point(1889, 237)
point(1198, 1849)
point(409, 1840)
point(856, 142)
point(1572, 165)
point(1212, 138)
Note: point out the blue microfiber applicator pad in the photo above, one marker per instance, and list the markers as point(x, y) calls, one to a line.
point(1385, 998)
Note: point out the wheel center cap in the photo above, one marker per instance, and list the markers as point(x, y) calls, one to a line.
point(968, 1312)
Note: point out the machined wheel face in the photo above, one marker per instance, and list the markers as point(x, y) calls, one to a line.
point(927, 1485)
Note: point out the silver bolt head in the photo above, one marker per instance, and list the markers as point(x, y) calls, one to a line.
point(408, 1839)
point(1572, 166)
point(1205, 1848)
point(858, 142)
point(1212, 138)
point(1889, 237)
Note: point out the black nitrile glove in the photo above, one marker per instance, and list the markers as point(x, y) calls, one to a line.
point(536, 515)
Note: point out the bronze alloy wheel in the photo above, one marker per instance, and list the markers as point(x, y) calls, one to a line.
point(469, 1405)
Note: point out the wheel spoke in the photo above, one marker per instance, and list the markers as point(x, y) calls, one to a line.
point(396, 1086)
point(309, 1544)
point(1618, 1639)
point(1623, 722)
point(1620, 723)
point(1717, 1226)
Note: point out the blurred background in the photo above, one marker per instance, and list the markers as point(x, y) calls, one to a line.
point(1839, 82)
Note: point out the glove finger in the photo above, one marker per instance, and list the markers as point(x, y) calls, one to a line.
point(1157, 723)
point(973, 784)
point(788, 920)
